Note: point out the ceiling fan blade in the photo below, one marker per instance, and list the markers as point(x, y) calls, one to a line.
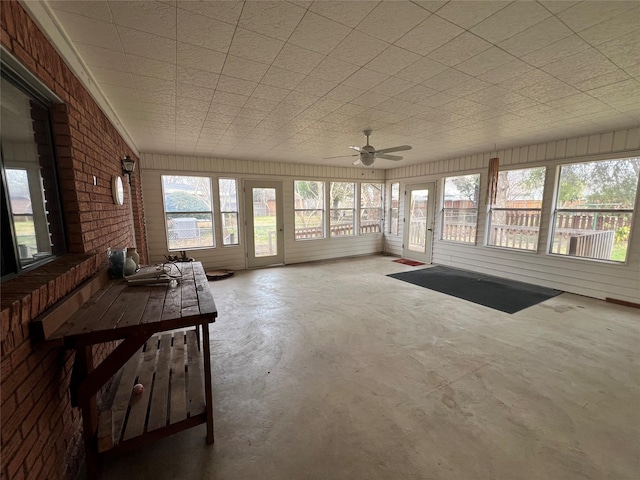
point(357, 162)
point(340, 156)
point(357, 149)
point(389, 157)
point(394, 149)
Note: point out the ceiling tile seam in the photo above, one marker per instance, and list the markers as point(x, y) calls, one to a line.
point(130, 72)
point(235, 29)
point(309, 106)
point(87, 71)
point(422, 7)
point(344, 24)
point(475, 24)
point(284, 43)
point(177, 5)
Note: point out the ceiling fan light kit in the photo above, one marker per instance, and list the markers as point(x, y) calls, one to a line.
point(368, 153)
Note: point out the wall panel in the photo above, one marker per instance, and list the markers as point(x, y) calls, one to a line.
point(585, 277)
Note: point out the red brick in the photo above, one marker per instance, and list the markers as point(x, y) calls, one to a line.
point(10, 447)
point(6, 366)
point(21, 352)
point(17, 376)
point(34, 467)
point(17, 462)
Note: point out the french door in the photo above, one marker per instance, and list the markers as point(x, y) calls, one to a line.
point(264, 225)
point(418, 222)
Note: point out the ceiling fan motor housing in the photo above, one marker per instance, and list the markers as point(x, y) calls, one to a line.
point(367, 158)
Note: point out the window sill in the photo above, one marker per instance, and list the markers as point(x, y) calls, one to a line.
point(29, 294)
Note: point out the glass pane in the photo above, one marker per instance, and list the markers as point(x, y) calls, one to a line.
point(597, 235)
point(341, 222)
point(31, 184)
point(342, 196)
point(515, 229)
point(462, 191)
point(608, 184)
point(186, 194)
point(370, 220)
point(459, 224)
point(309, 209)
point(228, 195)
point(309, 224)
point(23, 225)
point(395, 220)
point(370, 195)
point(418, 221)
point(188, 230)
point(520, 188)
point(230, 229)
point(394, 208)
point(308, 195)
point(265, 222)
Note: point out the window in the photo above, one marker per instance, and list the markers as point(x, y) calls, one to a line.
point(394, 209)
point(229, 210)
point(308, 207)
point(32, 229)
point(188, 212)
point(515, 214)
point(370, 208)
point(460, 208)
point(342, 197)
point(594, 208)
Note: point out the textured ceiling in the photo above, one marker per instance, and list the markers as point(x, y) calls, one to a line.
point(298, 81)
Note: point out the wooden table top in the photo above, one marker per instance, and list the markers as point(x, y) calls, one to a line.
point(118, 309)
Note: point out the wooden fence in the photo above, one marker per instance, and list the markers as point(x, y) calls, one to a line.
point(336, 230)
point(519, 229)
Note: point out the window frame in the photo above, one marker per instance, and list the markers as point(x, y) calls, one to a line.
point(322, 210)
point(223, 212)
point(392, 209)
point(612, 211)
point(41, 98)
point(380, 209)
point(211, 212)
point(493, 208)
point(443, 212)
point(354, 210)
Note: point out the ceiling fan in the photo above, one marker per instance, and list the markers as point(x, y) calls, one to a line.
point(369, 153)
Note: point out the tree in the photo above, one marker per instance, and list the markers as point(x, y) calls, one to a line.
point(185, 202)
point(519, 187)
point(607, 183)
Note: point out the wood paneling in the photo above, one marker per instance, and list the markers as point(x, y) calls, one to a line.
point(585, 277)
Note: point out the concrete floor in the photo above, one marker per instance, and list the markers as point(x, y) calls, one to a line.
point(335, 371)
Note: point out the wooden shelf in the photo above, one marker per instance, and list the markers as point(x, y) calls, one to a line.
point(169, 366)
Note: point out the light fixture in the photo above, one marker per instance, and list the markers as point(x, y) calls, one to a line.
point(128, 165)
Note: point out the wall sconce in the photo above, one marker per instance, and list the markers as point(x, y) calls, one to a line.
point(128, 165)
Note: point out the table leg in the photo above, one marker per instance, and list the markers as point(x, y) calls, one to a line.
point(207, 381)
point(83, 366)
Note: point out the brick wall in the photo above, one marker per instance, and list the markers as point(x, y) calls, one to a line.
point(41, 433)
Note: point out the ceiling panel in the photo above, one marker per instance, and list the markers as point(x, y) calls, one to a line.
point(300, 81)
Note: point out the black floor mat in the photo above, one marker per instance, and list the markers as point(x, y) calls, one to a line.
point(494, 292)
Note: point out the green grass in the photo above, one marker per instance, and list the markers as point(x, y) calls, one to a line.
point(619, 252)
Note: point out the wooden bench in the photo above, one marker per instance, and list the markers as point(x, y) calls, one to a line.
point(169, 366)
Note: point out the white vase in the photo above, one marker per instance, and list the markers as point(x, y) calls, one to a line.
point(133, 253)
point(129, 266)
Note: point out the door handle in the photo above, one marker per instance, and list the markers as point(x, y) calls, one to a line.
point(430, 229)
